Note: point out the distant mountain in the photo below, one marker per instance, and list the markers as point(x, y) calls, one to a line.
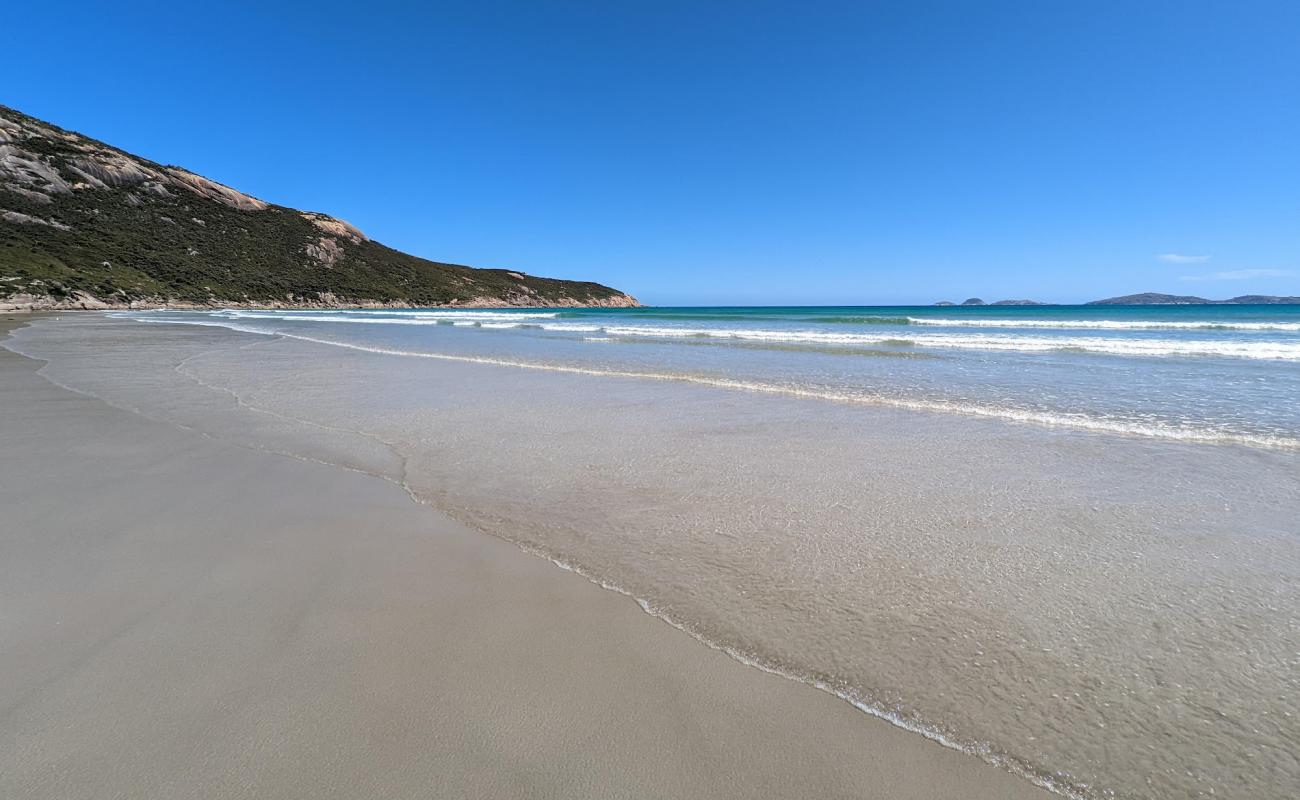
point(1263, 300)
point(1146, 299)
point(1150, 299)
point(975, 301)
point(1155, 299)
point(83, 224)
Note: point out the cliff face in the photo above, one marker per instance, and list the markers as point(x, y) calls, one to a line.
point(84, 225)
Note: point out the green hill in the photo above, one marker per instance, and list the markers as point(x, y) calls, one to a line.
point(83, 224)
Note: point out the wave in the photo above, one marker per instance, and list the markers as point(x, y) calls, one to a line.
point(403, 316)
point(1269, 350)
point(384, 316)
point(652, 315)
point(1072, 421)
point(859, 320)
point(1107, 324)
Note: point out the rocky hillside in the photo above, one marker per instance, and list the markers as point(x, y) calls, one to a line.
point(85, 225)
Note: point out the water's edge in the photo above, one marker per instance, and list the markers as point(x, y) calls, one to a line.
point(1060, 783)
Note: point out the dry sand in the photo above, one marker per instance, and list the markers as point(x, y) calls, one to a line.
point(184, 618)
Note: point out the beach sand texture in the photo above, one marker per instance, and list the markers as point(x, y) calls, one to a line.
point(187, 618)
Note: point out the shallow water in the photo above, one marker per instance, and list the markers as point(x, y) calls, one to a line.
point(1206, 373)
point(1080, 565)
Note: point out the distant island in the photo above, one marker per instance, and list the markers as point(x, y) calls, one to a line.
point(1149, 299)
point(975, 301)
point(86, 225)
point(1156, 299)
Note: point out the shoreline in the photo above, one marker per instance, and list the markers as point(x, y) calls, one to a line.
point(81, 301)
point(328, 635)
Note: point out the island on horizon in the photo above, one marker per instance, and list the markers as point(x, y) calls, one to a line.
point(1148, 299)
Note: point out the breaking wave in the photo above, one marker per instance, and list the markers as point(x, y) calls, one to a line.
point(1074, 421)
point(1257, 349)
point(1107, 324)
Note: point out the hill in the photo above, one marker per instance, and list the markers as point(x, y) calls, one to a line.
point(86, 225)
point(1156, 299)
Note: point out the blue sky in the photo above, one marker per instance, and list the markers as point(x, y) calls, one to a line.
point(756, 152)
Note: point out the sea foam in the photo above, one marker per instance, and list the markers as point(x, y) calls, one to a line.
point(1075, 421)
point(1107, 324)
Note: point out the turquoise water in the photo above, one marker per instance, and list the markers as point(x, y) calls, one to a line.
point(1214, 374)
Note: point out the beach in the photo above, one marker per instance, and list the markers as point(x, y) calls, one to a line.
point(188, 617)
point(1066, 567)
point(872, 400)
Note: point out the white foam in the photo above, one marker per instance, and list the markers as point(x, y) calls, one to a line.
point(1080, 422)
point(1225, 348)
point(572, 327)
point(1221, 348)
point(384, 316)
point(1107, 324)
point(479, 314)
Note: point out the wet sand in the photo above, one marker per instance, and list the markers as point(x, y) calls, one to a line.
point(187, 618)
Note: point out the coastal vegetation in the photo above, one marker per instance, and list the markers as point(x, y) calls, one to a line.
point(83, 224)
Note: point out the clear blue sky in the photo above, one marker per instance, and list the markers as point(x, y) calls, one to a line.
point(748, 152)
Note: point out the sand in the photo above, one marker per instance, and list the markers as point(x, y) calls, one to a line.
point(180, 617)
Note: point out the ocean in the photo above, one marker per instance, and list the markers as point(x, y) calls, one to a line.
point(1062, 539)
point(1201, 373)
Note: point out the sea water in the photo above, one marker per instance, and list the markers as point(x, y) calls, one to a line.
point(1063, 539)
point(1211, 373)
